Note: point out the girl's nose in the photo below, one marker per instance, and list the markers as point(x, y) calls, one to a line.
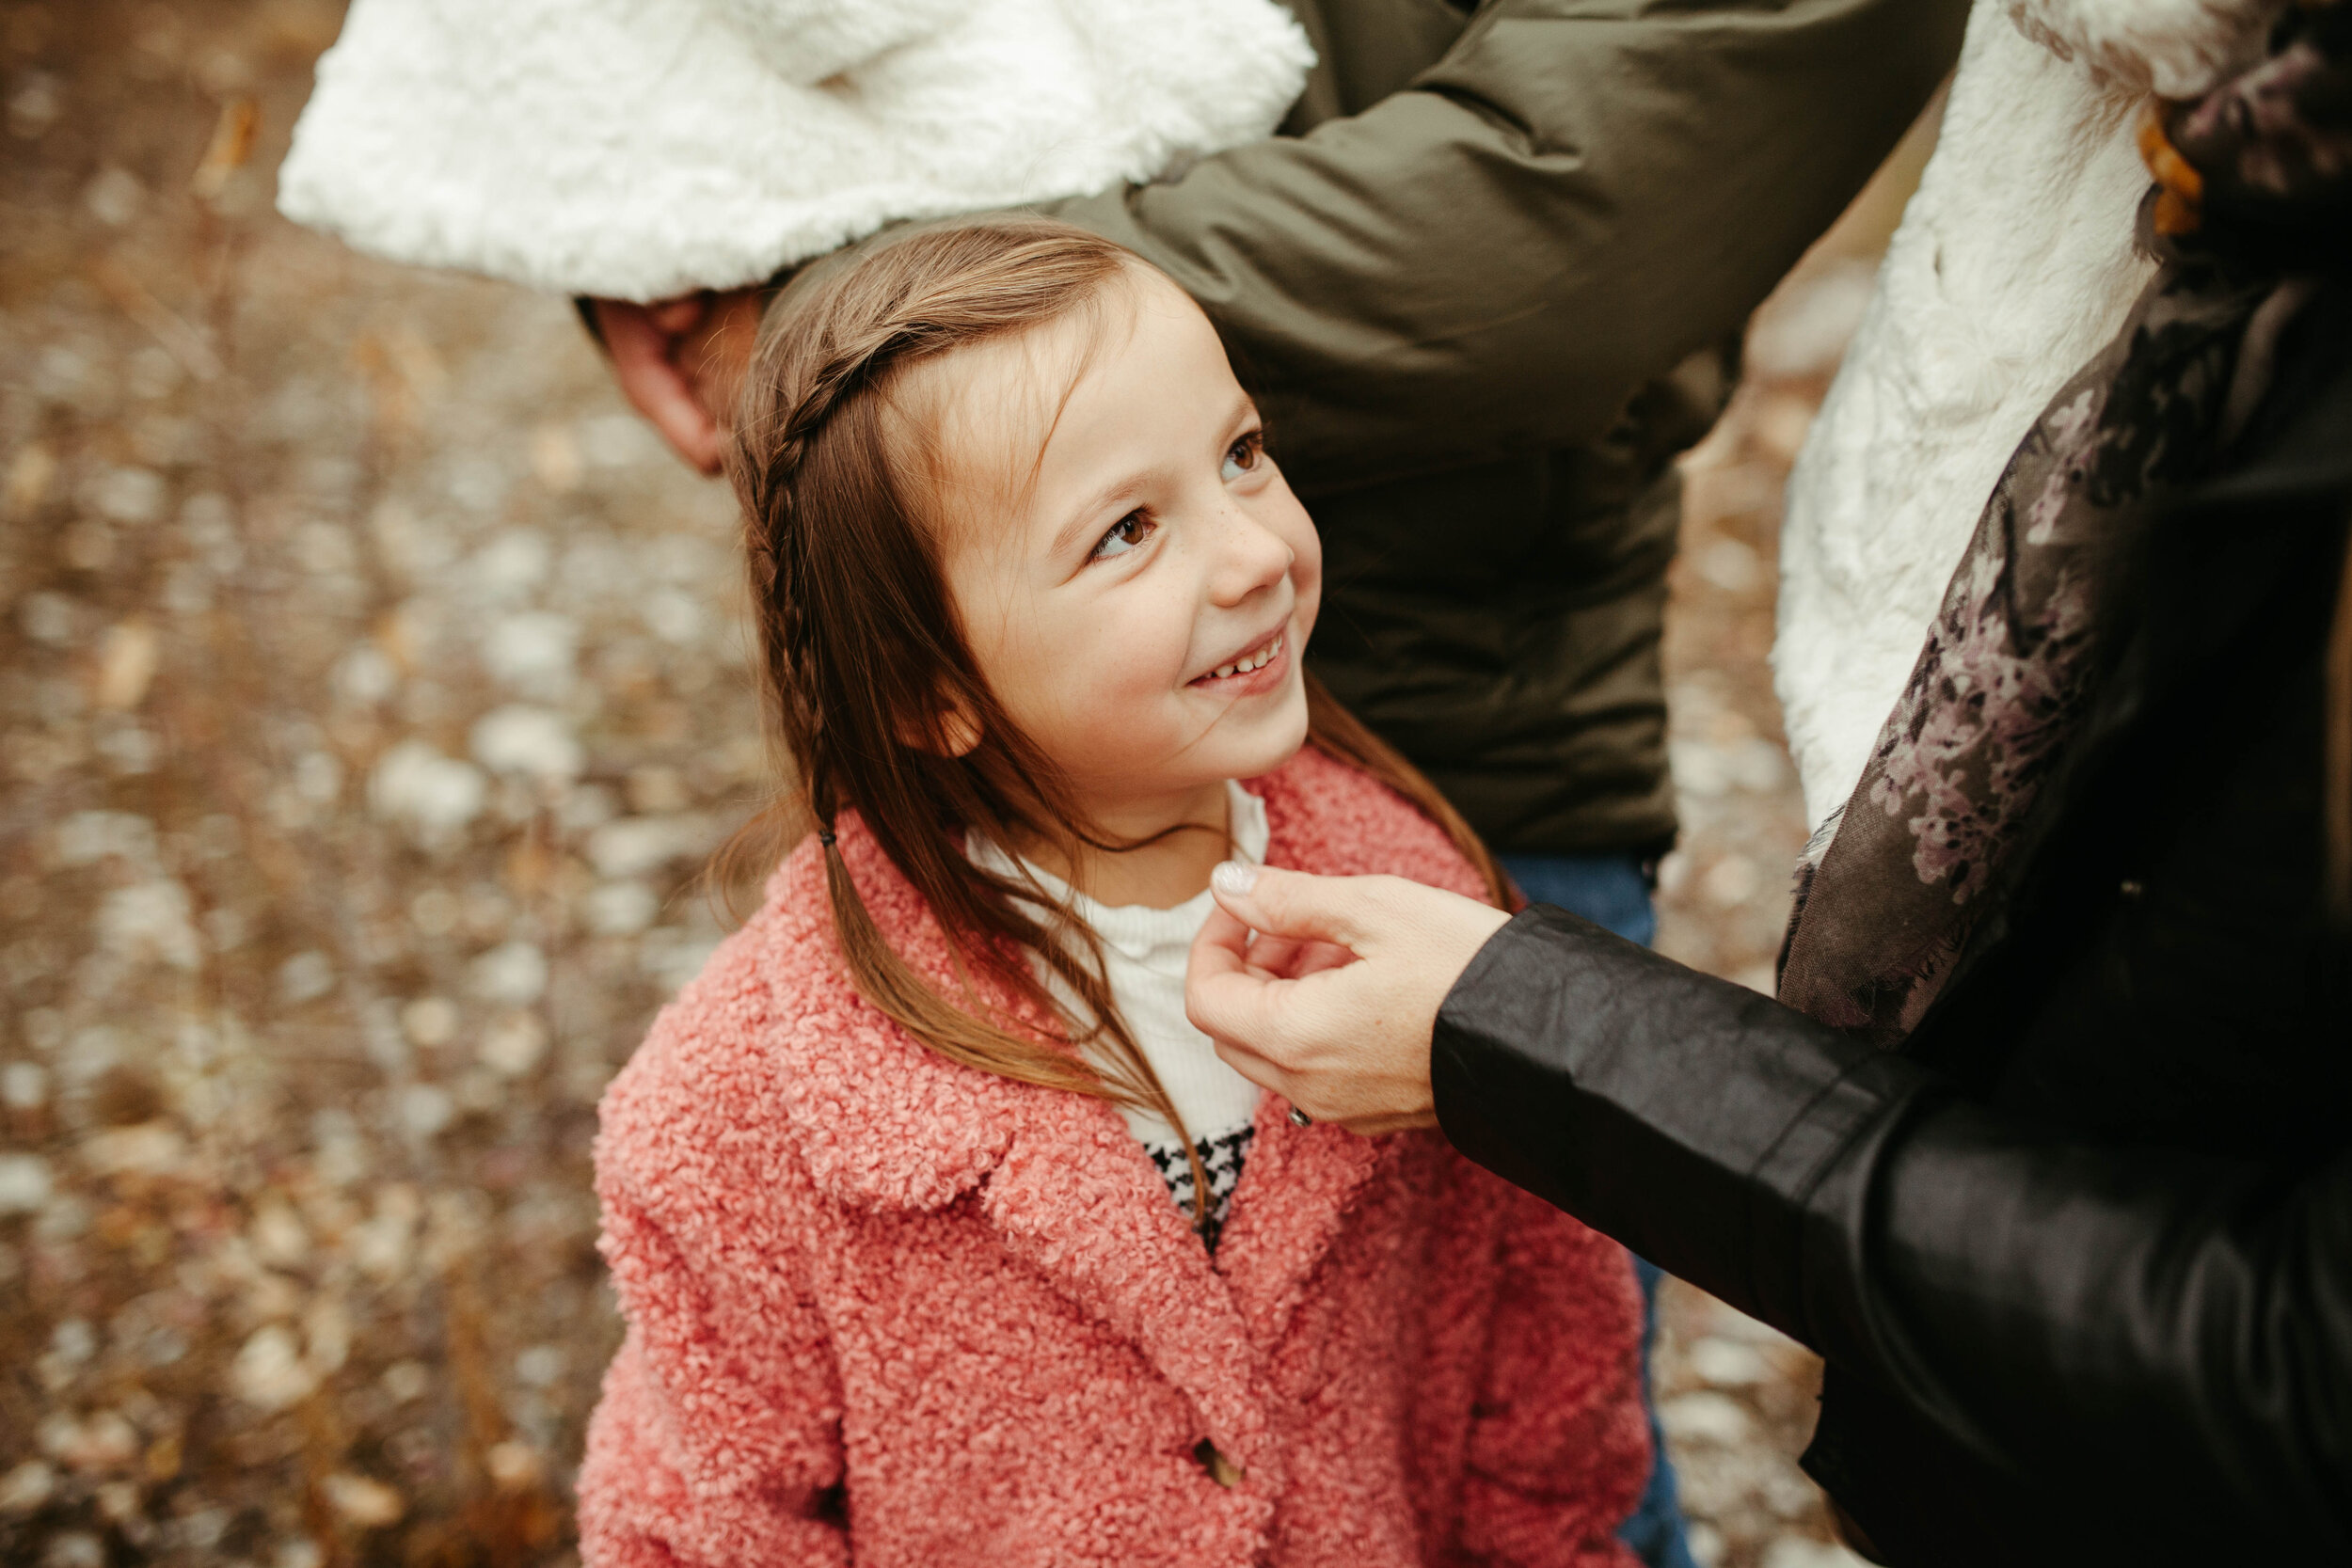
point(1251, 557)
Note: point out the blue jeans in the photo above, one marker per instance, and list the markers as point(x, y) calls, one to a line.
point(1610, 891)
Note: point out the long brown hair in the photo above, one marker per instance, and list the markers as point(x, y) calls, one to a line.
point(863, 655)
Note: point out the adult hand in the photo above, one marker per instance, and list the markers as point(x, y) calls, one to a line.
point(679, 361)
point(1324, 989)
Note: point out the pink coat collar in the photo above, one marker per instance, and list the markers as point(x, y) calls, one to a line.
point(881, 1121)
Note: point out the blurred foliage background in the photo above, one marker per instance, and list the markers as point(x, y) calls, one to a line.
point(374, 685)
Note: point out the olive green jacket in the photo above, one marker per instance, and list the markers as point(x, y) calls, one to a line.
point(1461, 281)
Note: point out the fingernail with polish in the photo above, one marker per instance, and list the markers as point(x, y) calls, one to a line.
point(1234, 879)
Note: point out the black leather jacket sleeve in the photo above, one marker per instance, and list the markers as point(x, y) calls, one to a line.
point(2138, 1321)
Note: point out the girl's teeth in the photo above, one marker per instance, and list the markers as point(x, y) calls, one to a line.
point(1258, 660)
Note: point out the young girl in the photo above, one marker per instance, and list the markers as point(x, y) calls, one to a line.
point(942, 1238)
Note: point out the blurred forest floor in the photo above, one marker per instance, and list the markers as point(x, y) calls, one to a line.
point(373, 688)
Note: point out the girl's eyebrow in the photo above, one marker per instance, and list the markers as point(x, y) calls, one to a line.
point(1069, 535)
point(1083, 517)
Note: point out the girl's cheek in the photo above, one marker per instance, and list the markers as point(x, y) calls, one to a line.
point(1126, 666)
point(1306, 550)
point(1307, 584)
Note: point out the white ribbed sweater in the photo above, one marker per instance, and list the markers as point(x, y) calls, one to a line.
point(1144, 953)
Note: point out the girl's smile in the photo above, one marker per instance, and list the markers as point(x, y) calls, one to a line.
point(1232, 677)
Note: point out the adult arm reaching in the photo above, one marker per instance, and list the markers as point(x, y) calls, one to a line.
point(2149, 1322)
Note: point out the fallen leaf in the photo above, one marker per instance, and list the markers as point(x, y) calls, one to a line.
point(230, 146)
point(29, 474)
point(369, 1504)
point(126, 665)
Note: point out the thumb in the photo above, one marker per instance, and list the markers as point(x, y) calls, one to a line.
point(1293, 904)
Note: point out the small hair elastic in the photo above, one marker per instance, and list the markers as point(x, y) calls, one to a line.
point(824, 836)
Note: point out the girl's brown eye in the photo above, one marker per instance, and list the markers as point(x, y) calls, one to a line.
point(1244, 455)
point(1124, 535)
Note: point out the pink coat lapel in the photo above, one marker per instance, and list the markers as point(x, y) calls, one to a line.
point(1078, 1199)
point(883, 1122)
point(1296, 1193)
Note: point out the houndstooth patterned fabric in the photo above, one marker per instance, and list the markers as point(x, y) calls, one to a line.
point(1221, 1156)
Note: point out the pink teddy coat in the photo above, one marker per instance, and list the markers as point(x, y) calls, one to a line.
point(888, 1310)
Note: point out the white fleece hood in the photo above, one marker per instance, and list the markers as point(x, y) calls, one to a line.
point(642, 148)
point(2016, 261)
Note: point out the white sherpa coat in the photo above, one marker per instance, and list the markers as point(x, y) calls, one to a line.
point(2014, 264)
point(642, 148)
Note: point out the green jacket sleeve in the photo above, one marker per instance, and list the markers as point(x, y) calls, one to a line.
point(1573, 197)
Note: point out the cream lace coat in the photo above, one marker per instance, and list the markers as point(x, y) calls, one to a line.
point(2014, 262)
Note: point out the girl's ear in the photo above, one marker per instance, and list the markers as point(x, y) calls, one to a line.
point(953, 731)
point(959, 731)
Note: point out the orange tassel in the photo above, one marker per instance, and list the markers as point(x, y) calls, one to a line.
point(2179, 189)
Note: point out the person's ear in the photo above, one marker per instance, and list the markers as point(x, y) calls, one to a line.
point(643, 341)
point(959, 731)
point(680, 362)
point(952, 731)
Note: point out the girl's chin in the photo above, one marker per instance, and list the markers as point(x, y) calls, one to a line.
point(1272, 762)
point(1256, 749)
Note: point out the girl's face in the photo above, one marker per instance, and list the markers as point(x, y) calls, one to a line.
point(1139, 602)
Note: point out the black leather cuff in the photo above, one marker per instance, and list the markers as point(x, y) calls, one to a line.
point(1722, 1135)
